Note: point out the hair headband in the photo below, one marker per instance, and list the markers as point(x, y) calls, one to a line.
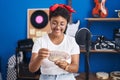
point(55, 6)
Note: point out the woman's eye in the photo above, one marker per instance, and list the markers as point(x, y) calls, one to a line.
point(54, 23)
point(62, 24)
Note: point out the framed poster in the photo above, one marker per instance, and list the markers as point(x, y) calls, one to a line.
point(37, 22)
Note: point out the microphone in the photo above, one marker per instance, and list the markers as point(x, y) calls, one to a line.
point(83, 39)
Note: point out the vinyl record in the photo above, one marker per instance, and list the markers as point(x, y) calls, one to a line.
point(39, 19)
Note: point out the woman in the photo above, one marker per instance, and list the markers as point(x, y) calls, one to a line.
point(56, 41)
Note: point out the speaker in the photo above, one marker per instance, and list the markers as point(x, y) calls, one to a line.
point(37, 23)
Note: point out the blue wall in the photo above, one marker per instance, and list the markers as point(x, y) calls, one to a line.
point(13, 27)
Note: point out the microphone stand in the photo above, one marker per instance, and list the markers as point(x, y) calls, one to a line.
point(87, 60)
point(83, 37)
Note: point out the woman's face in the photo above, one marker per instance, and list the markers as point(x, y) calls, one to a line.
point(58, 25)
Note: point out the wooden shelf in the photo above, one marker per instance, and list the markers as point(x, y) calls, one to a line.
point(90, 20)
point(102, 19)
point(81, 50)
point(101, 51)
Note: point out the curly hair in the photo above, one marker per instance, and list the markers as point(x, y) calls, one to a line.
point(60, 12)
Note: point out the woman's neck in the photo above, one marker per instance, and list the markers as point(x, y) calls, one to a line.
point(56, 39)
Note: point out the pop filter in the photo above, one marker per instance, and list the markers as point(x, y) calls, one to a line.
point(83, 38)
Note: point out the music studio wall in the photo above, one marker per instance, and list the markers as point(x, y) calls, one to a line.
point(14, 26)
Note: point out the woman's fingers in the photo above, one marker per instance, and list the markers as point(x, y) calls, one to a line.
point(43, 53)
point(61, 64)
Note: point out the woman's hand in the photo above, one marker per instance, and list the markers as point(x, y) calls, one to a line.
point(43, 53)
point(62, 64)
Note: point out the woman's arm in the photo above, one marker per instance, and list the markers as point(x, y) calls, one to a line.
point(74, 66)
point(35, 63)
point(37, 58)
